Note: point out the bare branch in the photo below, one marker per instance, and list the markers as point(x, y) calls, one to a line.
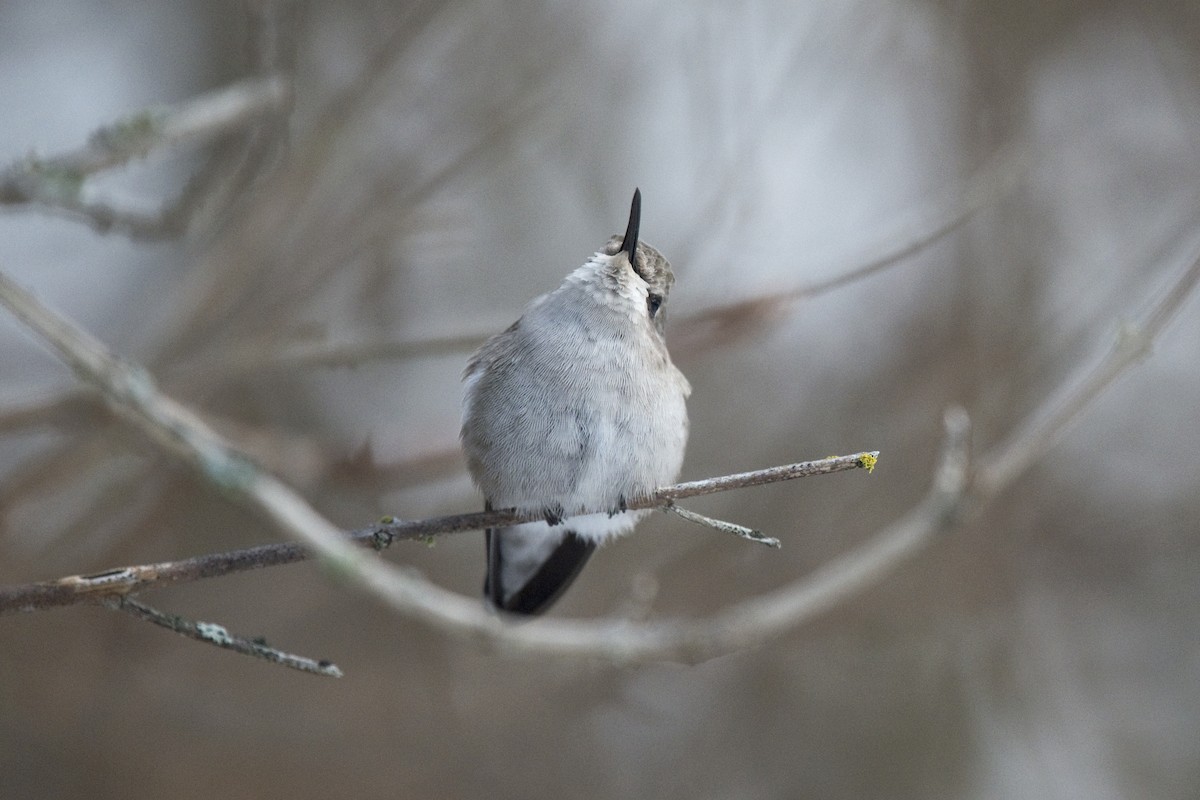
point(218, 636)
point(496, 519)
point(77, 589)
point(740, 531)
point(786, 472)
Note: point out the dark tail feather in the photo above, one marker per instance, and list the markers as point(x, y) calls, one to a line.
point(544, 585)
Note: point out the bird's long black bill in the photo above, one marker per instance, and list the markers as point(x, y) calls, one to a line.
point(544, 584)
point(629, 243)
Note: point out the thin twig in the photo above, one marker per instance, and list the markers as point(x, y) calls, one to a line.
point(740, 531)
point(219, 636)
point(77, 589)
point(419, 529)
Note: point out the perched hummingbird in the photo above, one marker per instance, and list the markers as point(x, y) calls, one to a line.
point(575, 408)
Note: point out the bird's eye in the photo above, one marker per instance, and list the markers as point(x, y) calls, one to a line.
point(653, 302)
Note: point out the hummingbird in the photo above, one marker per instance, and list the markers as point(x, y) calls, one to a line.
point(571, 411)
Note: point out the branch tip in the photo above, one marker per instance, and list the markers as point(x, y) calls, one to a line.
point(741, 531)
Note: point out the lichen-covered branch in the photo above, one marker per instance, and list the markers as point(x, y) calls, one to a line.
point(219, 636)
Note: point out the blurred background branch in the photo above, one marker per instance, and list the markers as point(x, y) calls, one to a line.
point(57, 182)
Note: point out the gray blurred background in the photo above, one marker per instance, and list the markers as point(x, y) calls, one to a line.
point(445, 162)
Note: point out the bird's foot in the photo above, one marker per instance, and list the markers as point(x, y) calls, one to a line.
point(621, 508)
point(553, 514)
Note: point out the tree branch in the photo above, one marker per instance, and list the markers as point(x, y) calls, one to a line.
point(77, 589)
point(218, 636)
